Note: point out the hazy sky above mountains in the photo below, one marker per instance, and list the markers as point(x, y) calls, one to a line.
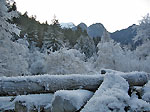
point(113, 14)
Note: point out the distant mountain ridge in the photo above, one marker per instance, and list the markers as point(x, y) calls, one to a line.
point(96, 30)
point(124, 36)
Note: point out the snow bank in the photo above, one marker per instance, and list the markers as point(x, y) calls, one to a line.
point(70, 101)
point(112, 95)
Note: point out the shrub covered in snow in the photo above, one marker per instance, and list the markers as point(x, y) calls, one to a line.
point(13, 59)
point(37, 62)
point(66, 62)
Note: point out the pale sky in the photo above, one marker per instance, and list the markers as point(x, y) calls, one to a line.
point(113, 14)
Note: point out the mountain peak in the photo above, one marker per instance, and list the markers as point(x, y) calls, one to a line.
point(96, 30)
point(83, 26)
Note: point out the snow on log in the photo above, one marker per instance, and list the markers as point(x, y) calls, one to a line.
point(32, 103)
point(112, 95)
point(70, 100)
point(135, 78)
point(48, 83)
point(22, 103)
point(6, 105)
point(52, 83)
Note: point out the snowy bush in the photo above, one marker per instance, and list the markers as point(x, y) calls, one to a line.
point(13, 59)
point(112, 56)
point(37, 62)
point(66, 62)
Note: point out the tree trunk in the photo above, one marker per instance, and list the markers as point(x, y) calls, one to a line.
point(52, 83)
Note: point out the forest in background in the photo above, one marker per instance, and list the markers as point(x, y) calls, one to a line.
point(32, 48)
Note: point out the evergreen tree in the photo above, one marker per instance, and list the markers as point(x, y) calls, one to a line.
point(143, 30)
point(86, 45)
point(53, 37)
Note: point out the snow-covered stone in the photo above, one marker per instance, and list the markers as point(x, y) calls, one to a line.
point(112, 95)
point(70, 101)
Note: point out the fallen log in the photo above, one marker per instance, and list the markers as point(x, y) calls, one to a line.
point(51, 83)
point(70, 100)
point(26, 103)
point(32, 103)
point(111, 96)
point(48, 83)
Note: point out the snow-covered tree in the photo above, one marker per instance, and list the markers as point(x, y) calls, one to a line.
point(143, 51)
point(105, 37)
point(6, 29)
point(109, 53)
point(12, 55)
point(52, 39)
point(143, 30)
point(86, 45)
